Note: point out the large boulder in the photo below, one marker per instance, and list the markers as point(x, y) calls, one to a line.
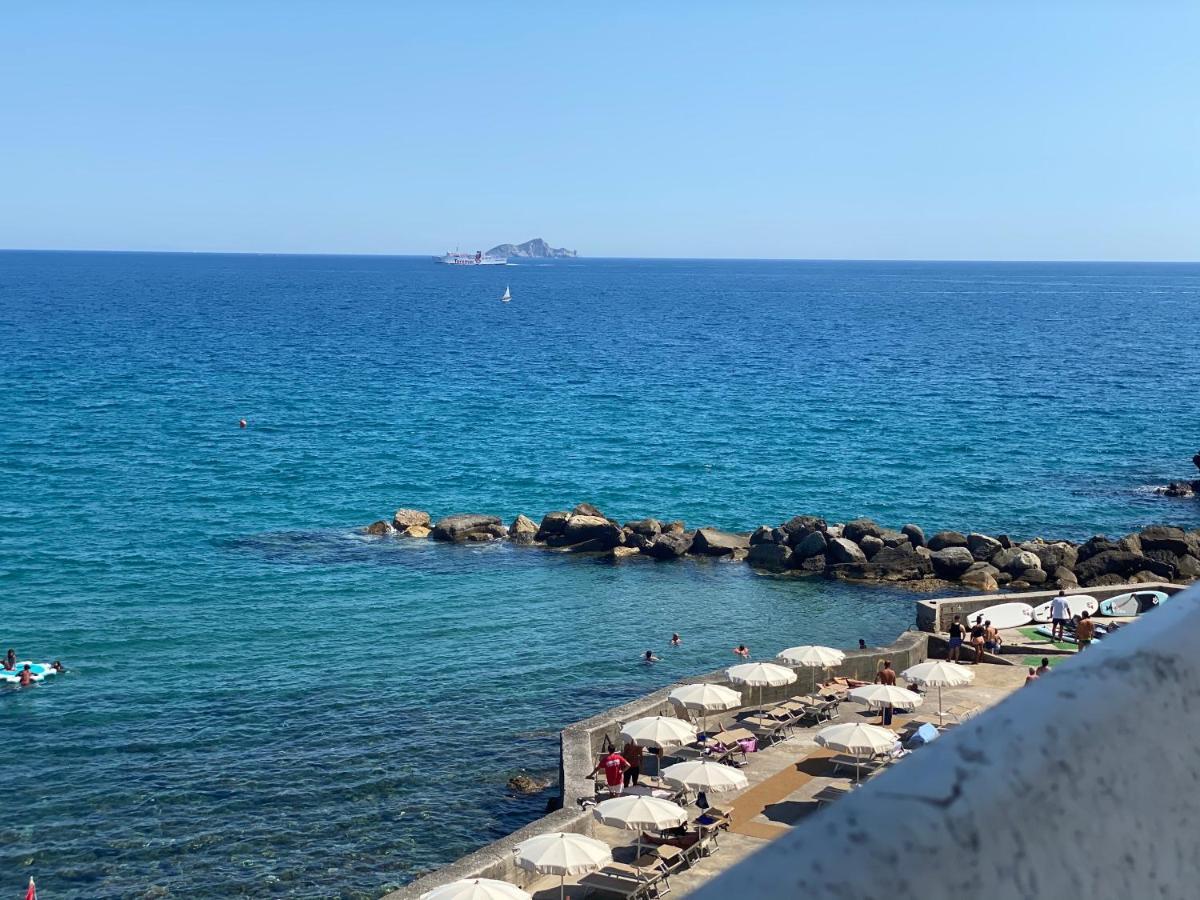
point(380, 528)
point(763, 534)
point(676, 527)
point(870, 545)
point(893, 538)
point(581, 529)
point(914, 534)
point(983, 547)
point(406, 517)
point(1164, 537)
point(857, 529)
point(944, 539)
point(802, 525)
point(650, 528)
point(713, 542)
point(1015, 561)
point(1052, 555)
point(416, 531)
point(901, 563)
point(951, 562)
point(1105, 580)
point(1189, 567)
point(553, 524)
point(468, 527)
point(586, 509)
point(1034, 576)
point(1094, 546)
point(1131, 543)
point(1064, 577)
point(813, 544)
point(814, 564)
point(772, 557)
point(523, 530)
point(979, 579)
point(669, 545)
point(1118, 563)
point(638, 541)
point(616, 554)
point(843, 551)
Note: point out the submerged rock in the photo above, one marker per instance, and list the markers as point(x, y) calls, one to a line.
point(772, 557)
point(380, 528)
point(528, 784)
point(419, 531)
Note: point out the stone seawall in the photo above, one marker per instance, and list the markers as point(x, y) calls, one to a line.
point(581, 742)
point(859, 550)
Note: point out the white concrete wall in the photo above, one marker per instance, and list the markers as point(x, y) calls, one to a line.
point(1085, 784)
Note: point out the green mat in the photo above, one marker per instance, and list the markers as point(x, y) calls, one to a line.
point(1032, 634)
point(1035, 661)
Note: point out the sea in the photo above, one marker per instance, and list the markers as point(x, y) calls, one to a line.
point(263, 702)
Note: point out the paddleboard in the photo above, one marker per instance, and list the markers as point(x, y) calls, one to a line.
point(1078, 604)
point(1121, 605)
point(1004, 615)
point(1068, 636)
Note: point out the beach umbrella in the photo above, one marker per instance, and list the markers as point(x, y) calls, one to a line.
point(637, 812)
point(705, 775)
point(881, 696)
point(813, 657)
point(662, 732)
point(938, 673)
point(760, 675)
point(477, 889)
point(562, 853)
point(706, 697)
point(858, 739)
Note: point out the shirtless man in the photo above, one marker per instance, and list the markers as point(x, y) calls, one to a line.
point(742, 650)
point(991, 638)
point(26, 678)
point(1085, 631)
point(956, 639)
point(886, 675)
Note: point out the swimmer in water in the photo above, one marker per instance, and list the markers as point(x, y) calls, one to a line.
point(649, 657)
point(862, 645)
point(10, 659)
point(676, 640)
point(241, 423)
point(742, 650)
point(58, 667)
point(26, 676)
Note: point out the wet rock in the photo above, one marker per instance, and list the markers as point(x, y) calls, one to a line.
point(951, 562)
point(418, 531)
point(669, 545)
point(812, 544)
point(619, 553)
point(1019, 584)
point(638, 541)
point(803, 525)
point(592, 528)
point(763, 534)
point(856, 529)
point(523, 530)
point(1164, 537)
point(1180, 489)
point(713, 542)
point(944, 539)
point(406, 517)
point(870, 545)
point(843, 551)
point(380, 528)
point(914, 534)
point(553, 524)
point(649, 528)
point(983, 547)
point(1117, 563)
point(814, 564)
point(1143, 577)
point(586, 509)
point(468, 527)
point(676, 527)
point(527, 784)
point(771, 557)
point(902, 563)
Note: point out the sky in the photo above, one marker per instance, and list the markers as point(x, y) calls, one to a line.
point(852, 129)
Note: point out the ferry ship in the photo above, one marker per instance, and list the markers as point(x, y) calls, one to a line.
point(466, 259)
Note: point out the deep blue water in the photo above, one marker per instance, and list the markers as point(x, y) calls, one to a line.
point(263, 703)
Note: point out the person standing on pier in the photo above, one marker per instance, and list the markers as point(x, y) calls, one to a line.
point(614, 766)
point(633, 755)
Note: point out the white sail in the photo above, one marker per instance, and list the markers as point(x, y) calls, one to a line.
point(506, 296)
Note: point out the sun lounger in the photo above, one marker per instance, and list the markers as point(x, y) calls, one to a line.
point(647, 869)
point(831, 793)
point(861, 763)
point(765, 728)
point(615, 884)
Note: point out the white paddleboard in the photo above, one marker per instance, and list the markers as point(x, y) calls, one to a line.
point(1132, 603)
point(1077, 603)
point(1004, 615)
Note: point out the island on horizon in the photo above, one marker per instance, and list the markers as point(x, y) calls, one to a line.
point(533, 249)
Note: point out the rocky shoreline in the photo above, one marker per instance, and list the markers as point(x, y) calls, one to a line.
point(859, 550)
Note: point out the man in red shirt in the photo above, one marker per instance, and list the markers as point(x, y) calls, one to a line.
point(614, 766)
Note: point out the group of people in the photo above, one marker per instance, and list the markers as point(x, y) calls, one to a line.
point(1060, 619)
point(621, 768)
point(676, 641)
point(25, 676)
point(983, 636)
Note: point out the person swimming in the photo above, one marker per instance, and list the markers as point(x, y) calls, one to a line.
point(742, 650)
point(676, 640)
point(649, 657)
point(58, 667)
point(241, 423)
point(10, 659)
point(26, 677)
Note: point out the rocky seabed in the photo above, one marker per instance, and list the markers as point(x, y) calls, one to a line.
point(859, 550)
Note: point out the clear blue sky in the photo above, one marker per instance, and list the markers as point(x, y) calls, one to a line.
point(1001, 130)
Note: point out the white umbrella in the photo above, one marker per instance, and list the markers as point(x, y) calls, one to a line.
point(880, 696)
point(637, 812)
point(706, 697)
point(939, 673)
point(562, 853)
point(760, 675)
point(705, 775)
point(477, 889)
point(813, 657)
point(857, 739)
point(662, 732)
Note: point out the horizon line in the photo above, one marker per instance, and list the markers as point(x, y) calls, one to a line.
point(434, 254)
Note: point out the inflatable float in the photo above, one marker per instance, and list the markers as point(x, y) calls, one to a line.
point(40, 671)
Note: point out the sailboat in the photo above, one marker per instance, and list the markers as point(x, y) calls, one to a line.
point(506, 296)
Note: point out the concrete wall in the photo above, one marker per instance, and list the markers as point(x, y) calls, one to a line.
point(936, 615)
point(1079, 785)
point(581, 742)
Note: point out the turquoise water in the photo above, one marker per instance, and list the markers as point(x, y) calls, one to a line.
point(264, 703)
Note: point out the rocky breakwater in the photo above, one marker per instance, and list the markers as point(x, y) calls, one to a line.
point(860, 549)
